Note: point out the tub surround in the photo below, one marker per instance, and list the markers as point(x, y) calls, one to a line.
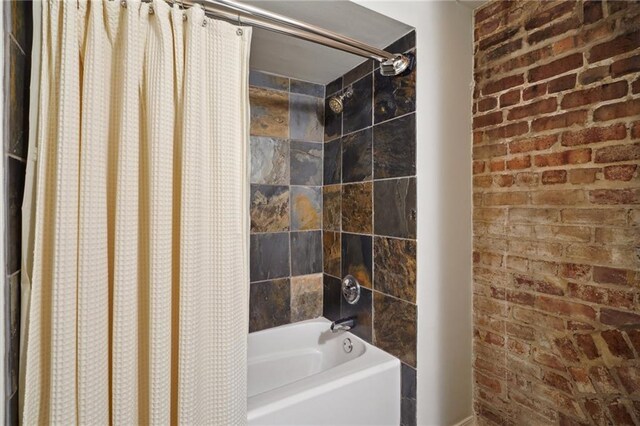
point(369, 211)
point(556, 191)
point(285, 200)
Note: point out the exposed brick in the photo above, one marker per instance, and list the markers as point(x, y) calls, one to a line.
point(503, 84)
point(554, 30)
point(587, 345)
point(559, 66)
point(505, 198)
point(603, 274)
point(486, 104)
point(602, 379)
point(620, 413)
point(497, 165)
point(540, 286)
point(550, 177)
point(568, 197)
point(503, 50)
point(634, 337)
point(563, 307)
point(591, 216)
point(630, 378)
point(596, 411)
point(549, 15)
point(497, 38)
point(560, 84)
point(490, 119)
point(593, 95)
point(617, 110)
point(635, 86)
point(594, 134)
point(509, 98)
point(592, 11)
point(582, 176)
point(621, 44)
point(535, 108)
point(557, 381)
point(533, 144)
point(615, 196)
point(625, 66)
point(559, 121)
point(592, 75)
point(635, 130)
point(616, 344)
point(519, 163)
point(618, 318)
point(616, 153)
point(575, 271)
point(478, 167)
point(623, 172)
point(576, 156)
point(488, 151)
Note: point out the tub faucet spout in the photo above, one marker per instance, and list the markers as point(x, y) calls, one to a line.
point(343, 324)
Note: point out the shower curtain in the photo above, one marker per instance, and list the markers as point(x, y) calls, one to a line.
point(135, 284)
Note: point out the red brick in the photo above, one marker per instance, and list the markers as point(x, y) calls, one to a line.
point(478, 167)
point(550, 177)
point(620, 413)
point(617, 110)
point(615, 196)
point(635, 86)
point(625, 66)
point(533, 144)
point(503, 50)
point(596, 411)
point(488, 382)
point(535, 108)
point(490, 119)
point(592, 11)
point(618, 318)
point(486, 104)
point(603, 274)
point(594, 134)
point(503, 181)
point(563, 307)
point(503, 84)
point(497, 38)
point(634, 337)
point(582, 176)
point(549, 15)
point(560, 84)
point(488, 151)
point(601, 378)
point(589, 293)
point(617, 345)
point(508, 131)
point(616, 153)
point(540, 286)
point(505, 198)
point(576, 156)
point(559, 66)
point(497, 165)
point(621, 44)
point(557, 381)
point(592, 75)
point(623, 172)
point(558, 121)
point(605, 92)
point(635, 130)
point(554, 30)
point(575, 271)
point(548, 360)
point(482, 181)
point(630, 378)
point(567, 349)
point(510, 98)
point(519, 163)
point(587, 345)
point(535, 91)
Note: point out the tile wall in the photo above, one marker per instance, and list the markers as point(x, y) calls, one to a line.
point(287, 130)
point(17, 42)
point(369, 211)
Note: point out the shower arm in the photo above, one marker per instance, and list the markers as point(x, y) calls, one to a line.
point(390, 63)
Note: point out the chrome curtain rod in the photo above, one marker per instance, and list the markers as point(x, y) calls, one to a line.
point(390, 63)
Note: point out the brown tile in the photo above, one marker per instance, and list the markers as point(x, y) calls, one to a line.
point(306, 208)
point(331, 205)
point(269, 208)
point(269, 112)
point(306, 297)
point(356, 258)
point(331, 247)
point(269, 304)
point(394, 327)
point(394, 263)
point(357, 209)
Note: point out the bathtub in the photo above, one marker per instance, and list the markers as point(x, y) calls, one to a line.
point(301, 374)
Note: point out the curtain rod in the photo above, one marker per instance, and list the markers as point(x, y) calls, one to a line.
point(390, 63)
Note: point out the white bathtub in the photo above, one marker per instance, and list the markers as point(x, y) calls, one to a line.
point(299, 374)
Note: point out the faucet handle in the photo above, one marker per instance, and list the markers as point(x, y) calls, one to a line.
point(351, 289)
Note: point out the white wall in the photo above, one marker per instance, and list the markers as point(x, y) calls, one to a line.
point(445, 55)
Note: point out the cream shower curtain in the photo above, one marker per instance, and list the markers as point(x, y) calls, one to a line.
point(135, 291)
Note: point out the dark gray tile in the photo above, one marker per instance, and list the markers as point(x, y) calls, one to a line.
point(268, 81)
point(269, 208)
point(306, 88)
point(331, 297)
point(357, 156)
point(18, 108)
point(357, 110)
point(306, 118)
point(362, 311)
point(269, 254)
point(394, 95)
point(14, 193)
point(306, 208)
point(332, 123)
point(394, 327)
point(269, 112)
point(331, 248)
point(306, 252)
point(357, 207)
point(332, 162)
point(269, 160)
point(356, 258)
point(407, 396)
point(394, 263)
point(306, 163)
point(334, 86)
point(357, 72)
point(403, 44)
point(394, 148)
point(306, 297)
point(408, 412)
point(332, 208)
point(269, 304)
point(394, 204)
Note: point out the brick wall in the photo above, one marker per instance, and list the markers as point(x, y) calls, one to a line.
point(556, 148)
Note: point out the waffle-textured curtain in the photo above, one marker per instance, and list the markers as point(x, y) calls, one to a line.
point(135, 292)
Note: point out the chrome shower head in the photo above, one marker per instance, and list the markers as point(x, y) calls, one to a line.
point(336, 103)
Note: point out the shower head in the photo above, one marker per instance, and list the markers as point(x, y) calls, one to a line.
point(336, 103)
